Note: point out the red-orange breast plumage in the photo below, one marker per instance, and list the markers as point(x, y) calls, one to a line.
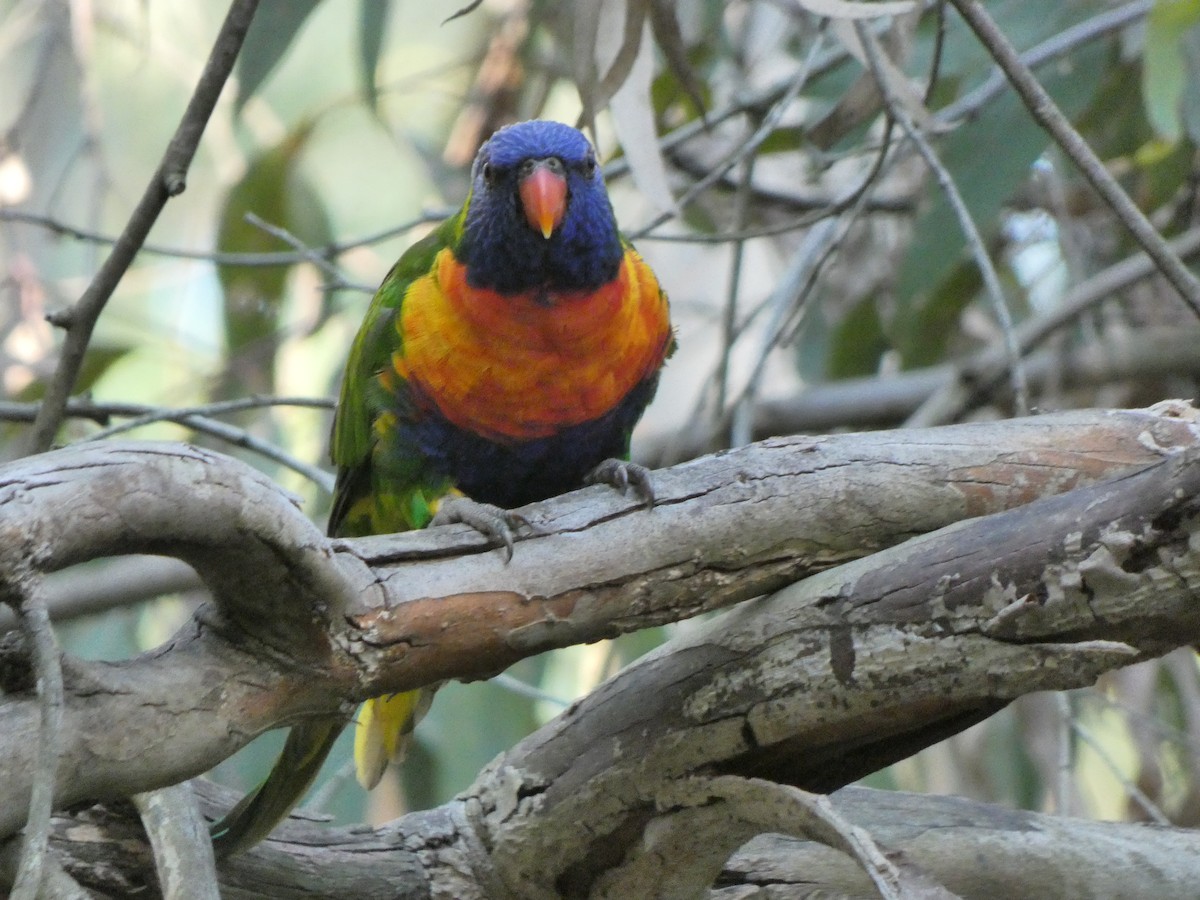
point(525, 366)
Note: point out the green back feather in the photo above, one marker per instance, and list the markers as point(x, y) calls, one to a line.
point(364, 503)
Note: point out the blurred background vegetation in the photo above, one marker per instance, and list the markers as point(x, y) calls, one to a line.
point(818, 275)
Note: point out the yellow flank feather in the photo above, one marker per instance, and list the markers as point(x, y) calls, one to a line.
point(525, 366)
point(382, 733)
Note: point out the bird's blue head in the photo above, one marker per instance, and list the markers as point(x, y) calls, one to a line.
point(538, 216)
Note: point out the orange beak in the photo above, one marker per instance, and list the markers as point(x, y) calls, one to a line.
point(544, 198)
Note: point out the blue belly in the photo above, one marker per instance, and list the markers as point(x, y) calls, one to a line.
point(513, 474)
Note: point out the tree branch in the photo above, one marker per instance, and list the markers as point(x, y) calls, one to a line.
point(1119, 357)
point(235, 259)
point(700, 822)
point(1028, 854)
point(183, 853)
point(814, 686)
point(302, 626)
point(31, 871)
point(859, 666)
point(1047, 114)
point(168, 181)
point(1052, 857)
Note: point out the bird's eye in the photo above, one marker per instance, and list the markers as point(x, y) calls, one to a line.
point(489, 173)
point(589, 166)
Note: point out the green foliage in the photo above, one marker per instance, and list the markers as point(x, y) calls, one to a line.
point(276, 25)
point(857, 342)
point(372, 26)
point(674, 101)
point(276, 190)
point(990, 158)
point(1171, 74)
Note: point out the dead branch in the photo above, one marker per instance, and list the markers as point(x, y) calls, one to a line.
point(1026, 854)
point(814, 686)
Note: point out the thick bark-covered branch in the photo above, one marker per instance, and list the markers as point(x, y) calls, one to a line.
point(977, 850)
point(825, 680)
point(854, 668)
point(302, 626)
point(887, 401)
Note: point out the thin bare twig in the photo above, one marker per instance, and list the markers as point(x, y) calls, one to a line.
point(940, 394)
point(35, 621)
point(246, 260)
point(965, 107)
point(786, 302)
point(239, 437)
point(883, 401)
point(788, 810)
point(1047, 114)
point(117, 582)
point(983, 260)
point(1149, 807)
point(748, 147)
point(729, 314)
point(1052, 48)
point(183, 854)
point(938, 54)
point(1062, 779)
point(168, 181)
point(313, 255)
point(102, 411)
point(521, 688)
point(197, 418)
point(826, 208)
point(981, 373)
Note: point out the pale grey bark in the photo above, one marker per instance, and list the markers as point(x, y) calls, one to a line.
point(832, 676)
point(975, 850)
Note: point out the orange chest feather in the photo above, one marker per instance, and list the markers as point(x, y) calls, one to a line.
point(524, 367)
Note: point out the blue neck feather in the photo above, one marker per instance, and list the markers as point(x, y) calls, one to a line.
point(503, 253)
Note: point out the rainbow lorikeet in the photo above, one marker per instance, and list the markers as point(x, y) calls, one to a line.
point(506, 357)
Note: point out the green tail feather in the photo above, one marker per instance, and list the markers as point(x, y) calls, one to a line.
point(257, 814)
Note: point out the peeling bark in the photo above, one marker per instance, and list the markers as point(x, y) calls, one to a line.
point(932, 635)
point(828, 678)
point(976, 850)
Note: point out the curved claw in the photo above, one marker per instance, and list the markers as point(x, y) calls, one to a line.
point(494, 523)
point(623, 475)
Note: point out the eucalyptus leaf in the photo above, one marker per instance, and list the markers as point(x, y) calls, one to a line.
point(276, 190)
point(372, 22)
point(1164, 74)
point(275, 26)
point(989, 157)
point(635, 123)
point(665, 25)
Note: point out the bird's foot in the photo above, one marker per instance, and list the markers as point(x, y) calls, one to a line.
point(492, 522)
point(624, 475)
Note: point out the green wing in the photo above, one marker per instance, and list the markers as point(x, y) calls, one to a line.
point(369, 498)
point(365, 501)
